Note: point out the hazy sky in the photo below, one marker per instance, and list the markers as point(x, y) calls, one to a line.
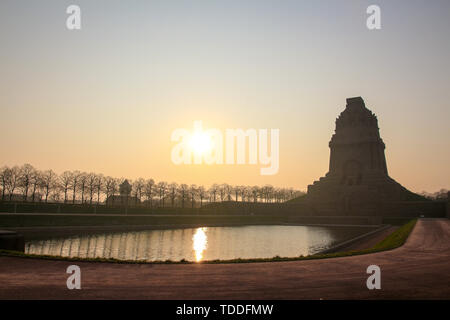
point(107, 97)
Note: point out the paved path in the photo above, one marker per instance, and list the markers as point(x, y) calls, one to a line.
point(370, 241)
point(418, 270)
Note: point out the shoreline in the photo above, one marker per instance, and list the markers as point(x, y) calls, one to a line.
point(361, 239)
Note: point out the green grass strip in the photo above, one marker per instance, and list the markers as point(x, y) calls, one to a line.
point(397, 238)
point(394, 240)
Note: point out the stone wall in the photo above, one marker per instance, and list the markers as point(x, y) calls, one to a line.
point(306, 208)
point(428, 209)
point(10, 240)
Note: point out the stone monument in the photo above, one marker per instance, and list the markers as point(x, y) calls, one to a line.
point(125, 189)
point(357, 181)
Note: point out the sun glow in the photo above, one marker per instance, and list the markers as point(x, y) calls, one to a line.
point(200, 143)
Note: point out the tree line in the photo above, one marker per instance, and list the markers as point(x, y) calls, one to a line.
point(28, 184)
point(438, 195)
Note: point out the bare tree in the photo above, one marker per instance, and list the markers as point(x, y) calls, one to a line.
point(82, 183)
point(222, 191)
point(183, 190)
point(36, 181)
point(65, 180)
point(99, 183)
point(255, 193)
point(238, 190)
point(162, 187)
point(111, 185)
point(48, 182)
point(138, 186)
point(27, 173)
point(213, 191)
point(91, 182)
point(13, 181)
point(278, 195)
point(270, 193)
point(5, 176)
point(243, 193)
point(266, 193)
point(55, 194)
point(173, 193)
point(74, 184)
point(149, 190)
point(247, 193)
point(193, 193)
point(228, 191)
point(201, 194)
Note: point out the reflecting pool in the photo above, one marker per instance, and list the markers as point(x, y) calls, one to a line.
point(199, 244)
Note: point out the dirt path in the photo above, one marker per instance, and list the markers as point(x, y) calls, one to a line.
point(418, 270)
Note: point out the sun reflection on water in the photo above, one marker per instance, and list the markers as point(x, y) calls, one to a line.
point(199, 243)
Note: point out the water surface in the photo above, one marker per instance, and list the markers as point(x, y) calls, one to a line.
point(198, 244)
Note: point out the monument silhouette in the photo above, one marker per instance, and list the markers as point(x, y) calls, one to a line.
point(357, 184)
point(357, 181)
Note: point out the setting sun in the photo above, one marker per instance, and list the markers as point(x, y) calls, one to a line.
point(200, 143)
